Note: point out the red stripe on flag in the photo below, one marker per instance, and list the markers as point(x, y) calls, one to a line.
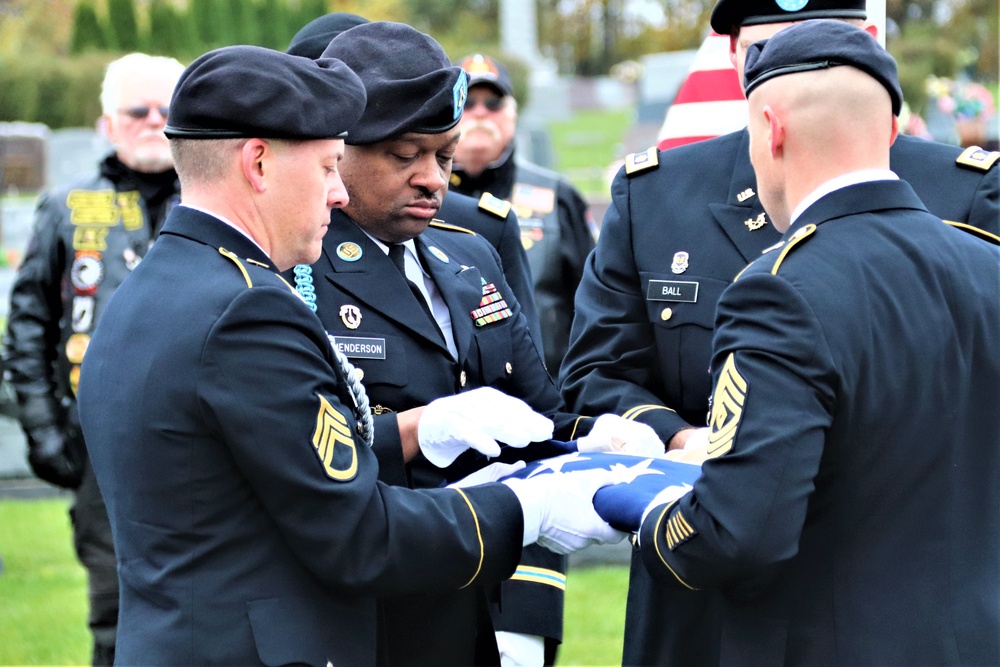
point(710, 86)
point(680, 141)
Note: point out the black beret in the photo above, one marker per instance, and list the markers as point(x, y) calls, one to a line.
point(411, 84)
point(821, 44)
point(730, 14)
point(484, 70)
point(250, 91)
point(314, 36)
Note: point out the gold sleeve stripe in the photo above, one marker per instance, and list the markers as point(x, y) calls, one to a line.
point(975, 231)
point(243, 270)
point(540, 575)
point(632, 413)
point(479, 534)
point(656, 543)
point(797, 238)
point(576, 425)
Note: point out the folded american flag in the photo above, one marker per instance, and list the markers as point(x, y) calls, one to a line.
point(640, 480)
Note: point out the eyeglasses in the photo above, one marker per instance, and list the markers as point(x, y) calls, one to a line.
point(492, 103)
point(138, 113)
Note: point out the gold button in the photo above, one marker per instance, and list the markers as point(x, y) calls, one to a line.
point(666, 314)
point(359, 373)
point(510, 369)
point(462, 378)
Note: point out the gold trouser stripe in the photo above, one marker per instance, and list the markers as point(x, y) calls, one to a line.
point(479, 534)
point(656, 543)
point(540, 575)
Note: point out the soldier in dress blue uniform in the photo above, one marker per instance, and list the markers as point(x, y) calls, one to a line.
point(422, 308)
point(230, 439)
point(682, 223)
point(852, 456)
point(557, 229)
point(486, 215)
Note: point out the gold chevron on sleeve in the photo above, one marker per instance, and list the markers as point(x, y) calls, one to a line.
point(727, 409)
point(332, 431)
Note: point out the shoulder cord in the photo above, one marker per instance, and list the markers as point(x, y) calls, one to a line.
point(366, 426)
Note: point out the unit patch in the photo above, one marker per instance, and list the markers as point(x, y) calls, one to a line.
point(334, 443)
point(727, 409)
point(672, 290)
point(76, 347)
point(87, 272)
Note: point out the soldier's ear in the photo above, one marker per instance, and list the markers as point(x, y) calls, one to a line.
point(252, 156)
point(871, 29)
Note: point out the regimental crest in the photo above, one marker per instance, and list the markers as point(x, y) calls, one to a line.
point(350, 316)
point(727, 409)
point(680, 263)
point(334, 443)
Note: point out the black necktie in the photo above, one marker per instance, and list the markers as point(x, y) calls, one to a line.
point(397, 253)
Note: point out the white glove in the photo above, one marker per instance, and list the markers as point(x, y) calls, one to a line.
point(490, 473)
point(520, 650)
point(476, 419)
point(618, 435)
point(559, 510)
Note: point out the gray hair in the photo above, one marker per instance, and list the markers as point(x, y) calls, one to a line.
point(134, 62)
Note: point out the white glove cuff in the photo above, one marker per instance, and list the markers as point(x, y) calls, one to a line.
point(532, 498)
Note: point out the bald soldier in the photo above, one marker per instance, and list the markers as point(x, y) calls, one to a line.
point(682, 223)
point(232, 446)
point(836, 513)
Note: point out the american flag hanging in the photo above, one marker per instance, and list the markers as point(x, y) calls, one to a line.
point(710, 102)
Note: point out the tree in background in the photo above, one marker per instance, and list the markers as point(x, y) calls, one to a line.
point(124, 27)
point(88, 35)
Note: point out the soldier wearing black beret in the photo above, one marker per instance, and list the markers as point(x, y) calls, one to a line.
point(682, 223)
point(848, 439)
point(424, 310)
point(231, 442)
point(490, 217)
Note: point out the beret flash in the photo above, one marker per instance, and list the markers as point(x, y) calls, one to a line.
point(411, 84)
point(731, 14)
point(821, 44)
point(250, 91)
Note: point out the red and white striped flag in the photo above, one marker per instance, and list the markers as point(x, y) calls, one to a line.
point(710, 102)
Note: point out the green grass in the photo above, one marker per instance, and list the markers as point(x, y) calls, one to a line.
point(43, 602)
point(586, 144)
point(43, 613)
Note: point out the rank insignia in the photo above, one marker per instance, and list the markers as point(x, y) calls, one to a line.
point(494, 205)
point(755, 224)
point(438, 253)
point(975, 157)
point(639, 162)
point(349, 252)
point(334, 443)
point(350, 316)
point(76, 347)
point(680, 263)
point(87, 272)
point(727, 409)
point(745, 195)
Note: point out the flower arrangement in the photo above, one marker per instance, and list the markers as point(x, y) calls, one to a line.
point(963, 100)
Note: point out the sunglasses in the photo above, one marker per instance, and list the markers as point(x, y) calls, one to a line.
point(138, 113)
point(492, 103)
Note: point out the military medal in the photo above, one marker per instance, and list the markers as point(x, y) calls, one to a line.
point(492, 307)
